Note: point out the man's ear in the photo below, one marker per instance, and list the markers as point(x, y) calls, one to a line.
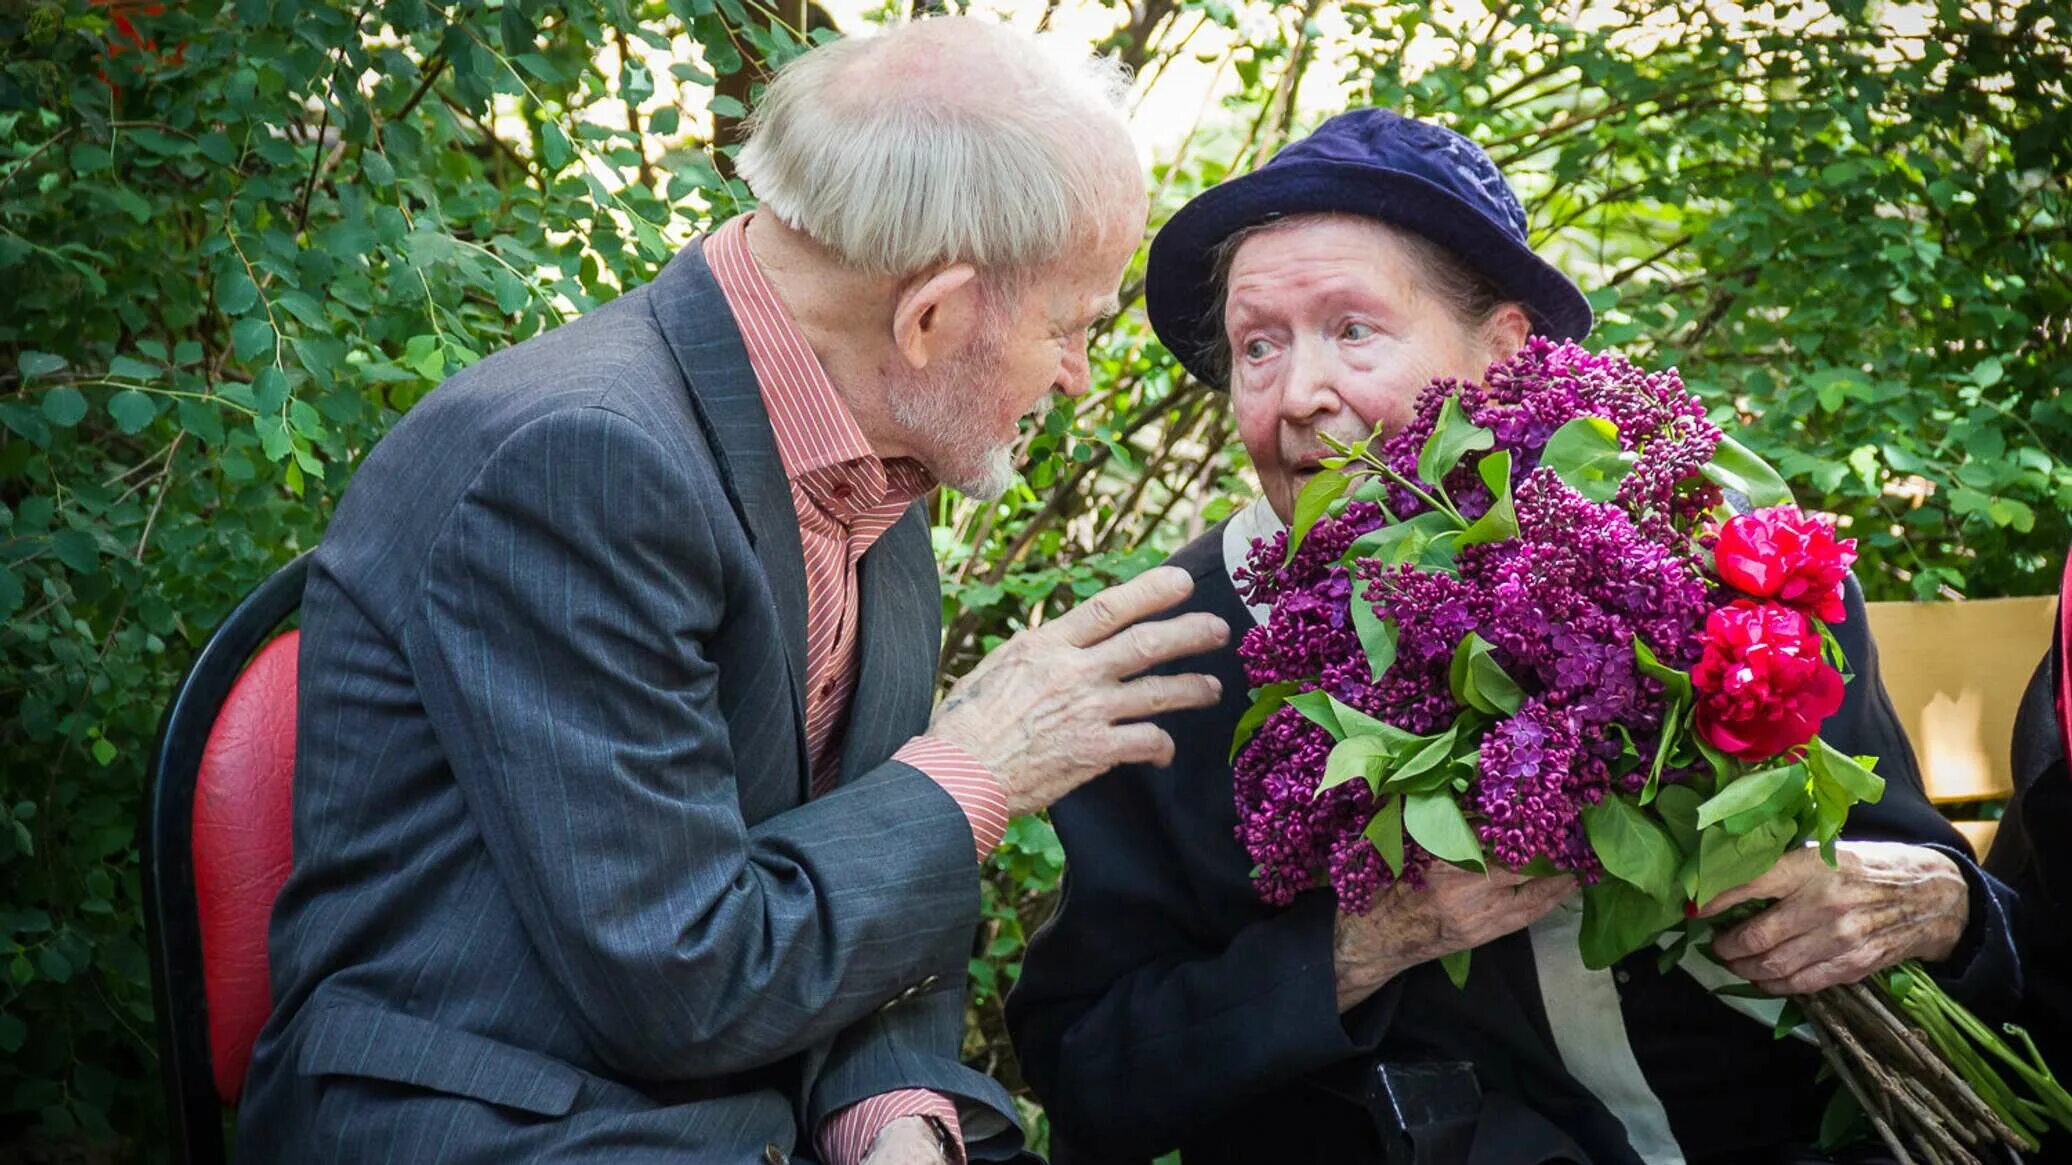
point(1506, 331)
point(936, 314)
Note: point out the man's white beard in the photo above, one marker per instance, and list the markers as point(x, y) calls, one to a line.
point(934, 409)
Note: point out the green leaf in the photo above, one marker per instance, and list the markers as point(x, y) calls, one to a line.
point(1400, 542)
point(12, 1032)
point(1311, 504)
point(1852, 774)
point(33, 364)
point(1734, 468)
point(725, 106)
point(1676, 807)
point(686, 71)
point(1385, 831)
point(376, 166)
point(1842, 1121)
point(1431, 753)
point(555, 145)
point(269, 390)
point(251, 338)
point(132, 410)
point(64, 406)
point(1480, 682)
point(1377, 635)
point(1353, 758)
point(1318, 708)
point(203, 420)
point(1456, 967)
point(11, 592)
point(236, 293)
point(1619, 919)
point(77, 550)
point(1676, 683)
point(1353, 722)
point(1752, 791)
point(1453, 437)
point(1585, 453)
point(131, 368)
point(275, 440)
point(1434, 821)
point(511, 293)
point(1500, 521)
point(1727, 860)
point(1633, 848)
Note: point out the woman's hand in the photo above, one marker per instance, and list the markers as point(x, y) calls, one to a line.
point(1881, 903)
point(1457, 910)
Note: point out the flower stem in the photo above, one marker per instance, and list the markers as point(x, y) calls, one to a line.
point(1413, 487)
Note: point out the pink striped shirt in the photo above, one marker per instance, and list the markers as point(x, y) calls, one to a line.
point(846, 497)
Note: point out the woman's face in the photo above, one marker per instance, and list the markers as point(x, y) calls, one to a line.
point(1332, 332)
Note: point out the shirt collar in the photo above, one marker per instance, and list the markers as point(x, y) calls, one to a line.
point(817, 436)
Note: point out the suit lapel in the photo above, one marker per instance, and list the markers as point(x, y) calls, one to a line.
point(899, 619)
point(699, 327)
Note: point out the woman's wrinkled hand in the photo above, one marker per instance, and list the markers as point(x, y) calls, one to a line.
point(1880, 904)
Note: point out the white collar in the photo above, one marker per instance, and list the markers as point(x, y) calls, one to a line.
point(1247, 526)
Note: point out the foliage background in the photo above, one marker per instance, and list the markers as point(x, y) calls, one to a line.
point(237, 240)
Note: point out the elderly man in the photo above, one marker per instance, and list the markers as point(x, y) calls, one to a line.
point(1165, 1006)
point(622, 828)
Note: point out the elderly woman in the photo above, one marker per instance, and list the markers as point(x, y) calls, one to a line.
point(1166, 1007)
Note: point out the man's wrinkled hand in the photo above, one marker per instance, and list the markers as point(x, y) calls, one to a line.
point(1056, 705)
point(909, 1140)
point(1880, 904)
point(1457, 910)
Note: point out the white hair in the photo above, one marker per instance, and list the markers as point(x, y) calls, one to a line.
point(943, 140)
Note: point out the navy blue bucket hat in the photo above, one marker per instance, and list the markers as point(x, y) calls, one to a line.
point(1420, 177)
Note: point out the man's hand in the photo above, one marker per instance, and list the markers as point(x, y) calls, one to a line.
point(1047, 711)
point(1457, 910)
point(1881, 903)
point(910, 1140)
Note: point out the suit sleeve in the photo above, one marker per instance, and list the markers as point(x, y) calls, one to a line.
point(912, 1043)
point(1983, 971)
point(561, 647)
point(1135, 1023)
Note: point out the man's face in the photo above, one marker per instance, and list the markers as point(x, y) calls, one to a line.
point(1331, 332)
point(964, 412)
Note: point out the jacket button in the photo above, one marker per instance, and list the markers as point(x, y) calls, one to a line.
point(772, 1155)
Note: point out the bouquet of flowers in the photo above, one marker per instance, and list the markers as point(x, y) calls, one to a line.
point(1561, 623)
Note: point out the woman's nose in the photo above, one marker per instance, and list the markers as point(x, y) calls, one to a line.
point(1312, 388)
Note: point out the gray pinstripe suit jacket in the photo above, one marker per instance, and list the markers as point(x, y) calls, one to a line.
point(559, 893)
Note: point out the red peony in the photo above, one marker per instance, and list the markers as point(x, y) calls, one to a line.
point(1780, 553)
point(1763, 688)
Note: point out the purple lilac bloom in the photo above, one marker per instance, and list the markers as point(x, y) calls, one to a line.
point(1560, 604)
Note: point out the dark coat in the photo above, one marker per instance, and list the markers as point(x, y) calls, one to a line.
point(1165, 1006)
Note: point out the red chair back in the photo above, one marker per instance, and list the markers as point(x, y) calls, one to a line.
point(242, 825)
point(216, 835)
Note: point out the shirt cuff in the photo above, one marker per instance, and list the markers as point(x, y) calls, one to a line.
point(849, 1133)
point(973, 786)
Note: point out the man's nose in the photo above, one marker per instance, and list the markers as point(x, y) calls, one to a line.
point(1075, 377)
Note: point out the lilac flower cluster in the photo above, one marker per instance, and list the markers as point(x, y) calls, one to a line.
point(1548, 384)
point(1560, 603)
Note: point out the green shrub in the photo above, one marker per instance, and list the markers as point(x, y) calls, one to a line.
point(237, 241)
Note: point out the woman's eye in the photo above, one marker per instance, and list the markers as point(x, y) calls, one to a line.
point(1357, 331)
point(1257, 349)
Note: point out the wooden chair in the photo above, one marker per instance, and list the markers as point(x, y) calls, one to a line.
point(1956, 672)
